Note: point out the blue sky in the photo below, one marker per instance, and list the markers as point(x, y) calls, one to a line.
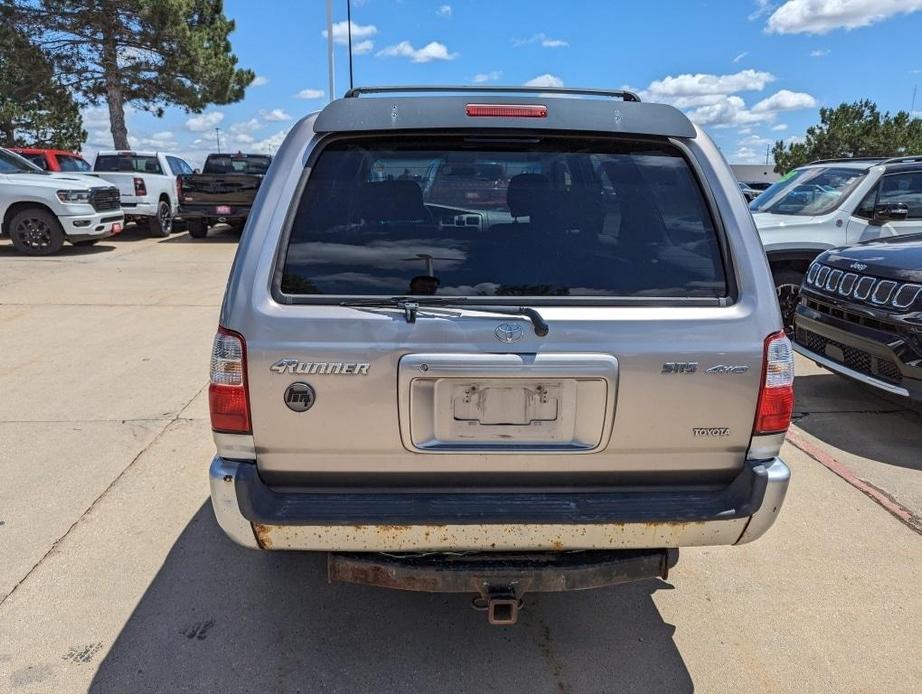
point(750, 71)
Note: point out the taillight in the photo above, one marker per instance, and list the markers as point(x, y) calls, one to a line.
point(506, 110)
point(140, 188)
point(228, 398)
point(776, 397)
point(179, 188)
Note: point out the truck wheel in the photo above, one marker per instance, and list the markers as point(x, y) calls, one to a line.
point(787, 286)
point(36, 232)
point(162, 223)
point(197, 228)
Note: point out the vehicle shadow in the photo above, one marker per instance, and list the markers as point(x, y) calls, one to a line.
point(847, 416)
point(218, 617)
point(7, 250)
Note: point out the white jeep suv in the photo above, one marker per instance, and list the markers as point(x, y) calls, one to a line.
point(833, 203)
point(39, 211)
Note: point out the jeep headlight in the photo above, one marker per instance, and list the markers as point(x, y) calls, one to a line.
point(74, 196)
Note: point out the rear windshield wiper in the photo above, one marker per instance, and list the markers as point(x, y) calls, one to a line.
point(411, 306)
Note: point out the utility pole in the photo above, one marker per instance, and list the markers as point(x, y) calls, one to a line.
point(349, 29)
point(766, 155)
point(330, 48)
point(912, 108)
point(217, 134)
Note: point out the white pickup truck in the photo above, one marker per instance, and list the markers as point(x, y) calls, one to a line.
point(39, 210)
point(148, 183)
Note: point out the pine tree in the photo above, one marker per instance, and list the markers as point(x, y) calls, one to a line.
point(148, 53)
point(35, 111)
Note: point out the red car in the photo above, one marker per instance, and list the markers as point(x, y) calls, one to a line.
point(54, 159)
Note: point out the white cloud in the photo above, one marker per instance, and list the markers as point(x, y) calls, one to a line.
point(820, 52)
point(259, 81)
point(823, 16)
point(727, 111)
point(275, 115)
point(744, 131)
point(359, 32)
point(543, 39)
point(545, 80)
point(363, 47)
point(701, 83)
point(240, 133)
point(746, 155)
point(271, 144)
point(763, 7)
point(780, 127)
point(491, 76)
point(431, 51)
point(444, 11)
point(755, 141)
point(204, 121)
point(785, 100)
point(309, 94)
point(740, 56)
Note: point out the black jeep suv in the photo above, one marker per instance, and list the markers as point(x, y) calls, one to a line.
point(860, 313)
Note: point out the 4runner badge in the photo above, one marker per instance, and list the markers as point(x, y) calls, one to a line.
point(320, 368)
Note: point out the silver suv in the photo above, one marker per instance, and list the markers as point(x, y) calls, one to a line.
point(498, 320)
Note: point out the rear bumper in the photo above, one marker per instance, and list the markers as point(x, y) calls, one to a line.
point(208, 212)
point(255, 515)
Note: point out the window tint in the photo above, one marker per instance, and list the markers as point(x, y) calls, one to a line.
point(237, 163)
point(173, 163)
point(865, 209)
point(564, 217)
point(905, 188)
point(130, 163)
point(68, 162)
point(37, 159)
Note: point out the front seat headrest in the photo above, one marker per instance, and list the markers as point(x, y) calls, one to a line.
point(391, 201)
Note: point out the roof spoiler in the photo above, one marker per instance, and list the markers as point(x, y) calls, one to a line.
point(447, 109)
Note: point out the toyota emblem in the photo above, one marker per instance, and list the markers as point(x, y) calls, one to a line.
point(509, 332)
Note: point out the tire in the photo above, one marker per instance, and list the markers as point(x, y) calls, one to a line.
point(35, 231)
point(161, 224)
point(787, 287)
point(197, 228)
point(86, 242)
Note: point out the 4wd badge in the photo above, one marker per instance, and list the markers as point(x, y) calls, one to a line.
point(300, 397)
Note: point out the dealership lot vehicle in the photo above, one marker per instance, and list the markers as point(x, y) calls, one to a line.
point(148, 183)
point(834, 203)
point(525, 375)
point(860, 314)
point(39, 211)
point(748, 191)
point(58, 160)
point(222, 192)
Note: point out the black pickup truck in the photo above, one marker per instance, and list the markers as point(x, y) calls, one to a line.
point(222, 192)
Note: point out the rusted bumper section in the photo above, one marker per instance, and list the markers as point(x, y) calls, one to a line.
point(544, 572)
point(256, 515)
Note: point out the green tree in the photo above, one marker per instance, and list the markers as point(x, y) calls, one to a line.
point(148, 53)
point(34, 109)
point(858, 129)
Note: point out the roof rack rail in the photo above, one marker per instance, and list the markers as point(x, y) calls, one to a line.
point(903, 160)
point(622, 94)
point(844, 159)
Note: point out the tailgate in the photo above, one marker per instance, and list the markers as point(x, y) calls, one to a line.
point(220, 189)
point(443, 402)
point(123, 181)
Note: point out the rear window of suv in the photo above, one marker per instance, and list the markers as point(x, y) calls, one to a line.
point(552, 217)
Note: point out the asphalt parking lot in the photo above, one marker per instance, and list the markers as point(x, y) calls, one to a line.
point(115, 578)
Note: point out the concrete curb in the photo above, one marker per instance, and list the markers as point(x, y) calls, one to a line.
point(799, 440)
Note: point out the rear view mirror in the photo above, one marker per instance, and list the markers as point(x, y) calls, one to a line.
point(890, 212)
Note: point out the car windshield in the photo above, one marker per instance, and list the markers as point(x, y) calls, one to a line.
point(240, 163)
point(811, 191)
point(549, 217)
point(129, 163)
point(69, 162)
point(10, 162)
